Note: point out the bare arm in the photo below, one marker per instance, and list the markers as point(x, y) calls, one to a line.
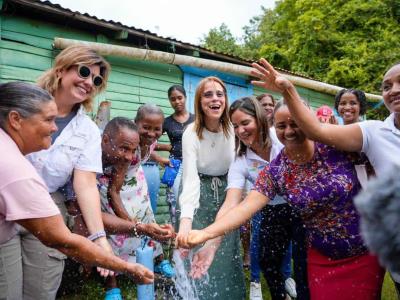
point(114, 188)
point(343, 137)
point(52, 232)
point(228, 222)
point(115, 225)
point(158, 158)
point(88, 198)
point(163, 147)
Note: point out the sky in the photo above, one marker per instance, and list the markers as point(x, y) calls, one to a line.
point(184, 20)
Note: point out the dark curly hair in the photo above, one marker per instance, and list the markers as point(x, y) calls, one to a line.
point(360, 95)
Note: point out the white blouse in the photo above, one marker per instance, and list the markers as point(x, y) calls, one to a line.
point(211, 155)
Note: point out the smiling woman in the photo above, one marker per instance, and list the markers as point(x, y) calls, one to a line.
point(78, 74)
point(208, 150)
point(27, 120)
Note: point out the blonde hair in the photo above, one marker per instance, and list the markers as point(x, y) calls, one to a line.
point(69, 57)
point(199, 122)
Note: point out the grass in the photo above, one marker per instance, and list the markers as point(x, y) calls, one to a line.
point(93, 289)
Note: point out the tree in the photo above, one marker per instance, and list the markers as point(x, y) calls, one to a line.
point(349, 43)
point(221, 40)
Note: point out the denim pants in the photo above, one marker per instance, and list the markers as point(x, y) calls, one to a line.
point(152, 174)
point(279, 226)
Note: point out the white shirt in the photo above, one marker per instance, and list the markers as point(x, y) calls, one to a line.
point(77, 147)
point(247, 167)
point(211, 155)
point(381, 143)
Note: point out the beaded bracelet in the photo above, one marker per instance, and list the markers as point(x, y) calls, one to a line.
point(135, 231)
point(97, 235)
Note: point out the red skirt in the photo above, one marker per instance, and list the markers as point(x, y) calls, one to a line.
point(358, 277)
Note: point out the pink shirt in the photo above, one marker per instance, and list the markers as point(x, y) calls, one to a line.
point(23, 194)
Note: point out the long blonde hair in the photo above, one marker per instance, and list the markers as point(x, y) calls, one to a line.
point(69, 57)
point(199, 122)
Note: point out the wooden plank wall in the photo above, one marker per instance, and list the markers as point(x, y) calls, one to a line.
point(26, 51)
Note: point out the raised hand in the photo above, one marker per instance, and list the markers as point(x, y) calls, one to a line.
point(202, 260)
point(268, 77)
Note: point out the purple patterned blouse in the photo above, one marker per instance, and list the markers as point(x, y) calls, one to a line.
point(321, 191)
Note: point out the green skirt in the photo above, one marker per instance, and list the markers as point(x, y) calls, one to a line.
point(226, 277)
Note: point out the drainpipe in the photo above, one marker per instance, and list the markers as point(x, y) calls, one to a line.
point(177, 59)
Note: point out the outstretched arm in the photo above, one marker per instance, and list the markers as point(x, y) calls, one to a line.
point(343, 137)
point(52, 232)
point(228, 222)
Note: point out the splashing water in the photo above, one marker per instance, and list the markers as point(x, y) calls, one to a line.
point(184, 284)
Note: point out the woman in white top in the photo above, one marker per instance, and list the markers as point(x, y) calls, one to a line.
point(78, 74)
point(379, 140)
point(208, 150)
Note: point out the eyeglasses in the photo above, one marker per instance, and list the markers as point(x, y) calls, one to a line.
point(84, 72)
point(210, 94)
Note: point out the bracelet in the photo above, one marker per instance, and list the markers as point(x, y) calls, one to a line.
point(97, 235)
point(135, 231)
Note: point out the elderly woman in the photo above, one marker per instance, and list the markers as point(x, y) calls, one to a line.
point(78, 74)
point(27, 115)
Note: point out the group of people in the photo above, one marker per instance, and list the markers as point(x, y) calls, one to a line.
point(60, 174)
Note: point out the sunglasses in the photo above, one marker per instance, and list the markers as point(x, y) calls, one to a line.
point(84, 72)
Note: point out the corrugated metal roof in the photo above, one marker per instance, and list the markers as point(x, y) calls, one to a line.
point(134, 30)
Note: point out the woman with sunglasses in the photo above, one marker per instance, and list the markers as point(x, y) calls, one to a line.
point(77, 76)
point(207, 152)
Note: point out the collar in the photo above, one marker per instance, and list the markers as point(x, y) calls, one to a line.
point(251, 155)
point(388, 124)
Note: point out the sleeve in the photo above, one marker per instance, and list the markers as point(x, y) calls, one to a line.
point(190, 196)
point(366, 131)
point(265, 183)
point(27, 199)
point(237, 174)
point(90, 158)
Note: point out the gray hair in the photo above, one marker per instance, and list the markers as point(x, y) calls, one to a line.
point(148, 109)
point(24, 98)
point(379, 207)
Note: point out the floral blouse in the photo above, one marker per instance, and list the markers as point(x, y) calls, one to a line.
point(322, 191)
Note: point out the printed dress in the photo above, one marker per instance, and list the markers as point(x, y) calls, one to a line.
point(136, 201)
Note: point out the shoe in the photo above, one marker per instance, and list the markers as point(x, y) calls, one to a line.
point(165, 269)
point(290, 287)
point(255, 291)
point(113, 294)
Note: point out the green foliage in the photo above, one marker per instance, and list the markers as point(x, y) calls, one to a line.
point(221, 40)
point(349, 43)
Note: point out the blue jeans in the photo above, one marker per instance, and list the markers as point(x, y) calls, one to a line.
point(286, 267)
point(152, 174)
point(280, 225)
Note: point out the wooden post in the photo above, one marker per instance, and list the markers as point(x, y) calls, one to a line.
point(103, 114)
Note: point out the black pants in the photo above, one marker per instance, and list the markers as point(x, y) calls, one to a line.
point(279, 226)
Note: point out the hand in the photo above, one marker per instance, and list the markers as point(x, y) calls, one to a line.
point(270, 79)
point(165, 162)
point(202, 260)
point(194, 238)
point(139, 273)
point(103, 243)
point(159, 233)
point(333, 120)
